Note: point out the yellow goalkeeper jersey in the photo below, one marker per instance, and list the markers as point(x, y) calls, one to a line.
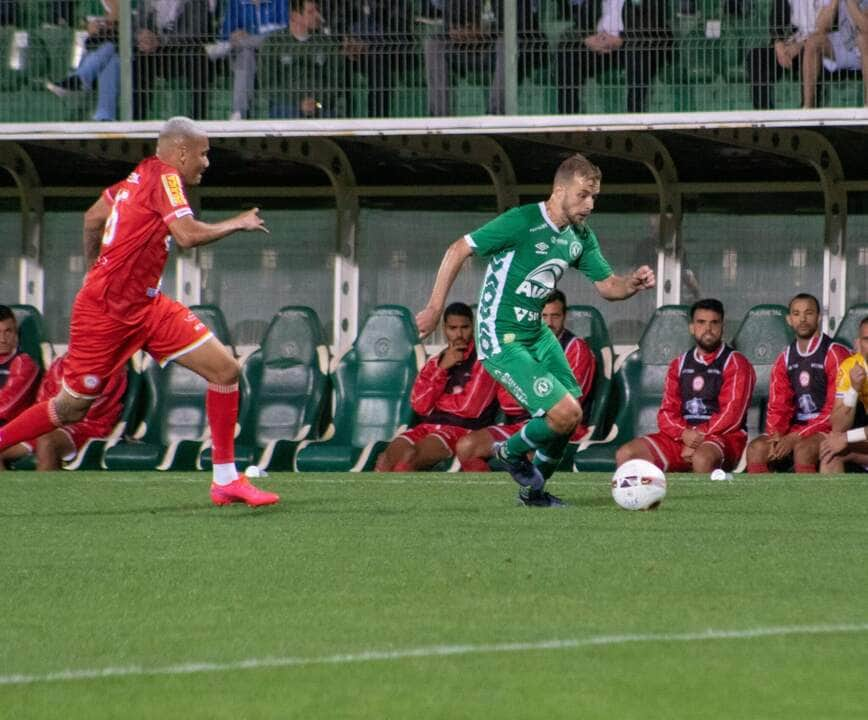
point(843, 384)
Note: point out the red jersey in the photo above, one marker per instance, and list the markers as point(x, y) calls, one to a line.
point(732, 399)
point(18, 381)
point(581, 361)
point(135, 244)
point(811, 374)
point(462, 395)
point(104, 412)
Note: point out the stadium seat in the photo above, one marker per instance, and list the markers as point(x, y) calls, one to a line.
point(372, 384)
point(638, 386)
point(288, 381)
point(848, 330)
point(174, 428)
point(762, 335)
point(31, 334)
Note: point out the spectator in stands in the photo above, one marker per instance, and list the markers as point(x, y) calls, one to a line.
point(9, 13)
point(848, 443)
point(452, 396)
point(170, 37)
point(844, 49)
point(791, 22)
point(610, 34)
point(304, 66)
point(63, 443)
point(472, 42)
point(377, 41)
point(801, 394)
point(475, 448)
point(246, 24)
point(99, 66)
point(705, 401)
point(19, 374)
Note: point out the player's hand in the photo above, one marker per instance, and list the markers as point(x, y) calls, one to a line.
point(642, 278)
point(692, 438)
point(147, 40)
point(452, 355)
point(857, 376)
point(426, 321)
point(782, 447)
point(687, 453)
point(833, 443)
point(250, 220)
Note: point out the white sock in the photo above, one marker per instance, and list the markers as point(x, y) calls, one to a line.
point(224, 473)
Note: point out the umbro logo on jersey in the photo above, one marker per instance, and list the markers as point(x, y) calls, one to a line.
point(134, 178)
point(541, 248)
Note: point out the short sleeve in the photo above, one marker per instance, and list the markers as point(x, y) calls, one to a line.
point(591, 262)
point(170, 198)
point(496, 235)
point(842, 383)
point(110, 193)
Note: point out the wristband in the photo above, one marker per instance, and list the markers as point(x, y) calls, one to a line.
point(850, 398)
point(856, 435)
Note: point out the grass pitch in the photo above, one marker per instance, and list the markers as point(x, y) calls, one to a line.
point(431, 596)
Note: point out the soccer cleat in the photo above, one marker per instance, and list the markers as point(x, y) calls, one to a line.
point(241, 490)
point(523, 471)
point(538, 498)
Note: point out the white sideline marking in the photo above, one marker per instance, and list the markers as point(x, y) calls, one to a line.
point(430, 651)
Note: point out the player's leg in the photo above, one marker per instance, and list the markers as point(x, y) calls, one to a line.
point(758, 454)
point(431, 450)
point(43, 417)
point(398, 456)
point(707, 457)
point(806, 454)
point(475, 448)
point(636, 449)
point(52, 449)
point(16, 452)
point(175, 333)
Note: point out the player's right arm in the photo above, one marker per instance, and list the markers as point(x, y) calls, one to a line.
point(94, 224)
point(189, 232)
point(846, 395)
point(450, 266)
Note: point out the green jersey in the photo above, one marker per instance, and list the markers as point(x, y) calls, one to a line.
point(529, 255)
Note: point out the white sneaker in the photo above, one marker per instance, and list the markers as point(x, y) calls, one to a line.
point(235, 115)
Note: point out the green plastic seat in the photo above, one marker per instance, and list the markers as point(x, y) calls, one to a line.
point(848, 329)
point(637, 389)
point(372, 384)
point(31, 334)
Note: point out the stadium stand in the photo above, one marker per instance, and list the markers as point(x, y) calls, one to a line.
point(372, 384)
point(32, 336)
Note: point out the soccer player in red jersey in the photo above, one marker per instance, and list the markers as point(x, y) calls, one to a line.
point(703, 416)
point(64, 442)
point(120, 309)
point(19, 373)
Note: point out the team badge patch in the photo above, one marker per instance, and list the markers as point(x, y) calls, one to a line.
point(542, 386)
point(91, 382)
point(804, 378)
point(698, 383)
point(174, 190)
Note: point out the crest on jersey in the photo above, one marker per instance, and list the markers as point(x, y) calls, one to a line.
point(174, 190)
point(698, 383)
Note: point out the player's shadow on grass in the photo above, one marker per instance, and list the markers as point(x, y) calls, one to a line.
point(198, 508)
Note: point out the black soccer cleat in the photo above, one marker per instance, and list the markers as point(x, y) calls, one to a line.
point(523, 471)
point(538, 498)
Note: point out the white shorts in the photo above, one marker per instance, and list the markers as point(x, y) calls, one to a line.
point(842, 57)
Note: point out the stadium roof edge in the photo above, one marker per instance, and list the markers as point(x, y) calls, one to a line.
point(490, 124)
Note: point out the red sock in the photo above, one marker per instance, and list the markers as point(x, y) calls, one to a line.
point(402, 467)
point(757, 467)
point(475, 465)
point(221, 405)
point(810, 469)
point(35, 421)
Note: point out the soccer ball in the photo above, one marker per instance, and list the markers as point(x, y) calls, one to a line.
point(638, 485)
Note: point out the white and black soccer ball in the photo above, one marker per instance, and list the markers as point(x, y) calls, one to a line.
point(638, 485)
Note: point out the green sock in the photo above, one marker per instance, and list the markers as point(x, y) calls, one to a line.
point(534, 435)
point(548, 457)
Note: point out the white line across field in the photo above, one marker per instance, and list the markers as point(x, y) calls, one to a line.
point(430, 651)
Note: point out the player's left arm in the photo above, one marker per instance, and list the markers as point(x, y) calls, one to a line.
point(735, 395)
point(190, 232)
point(20, 386)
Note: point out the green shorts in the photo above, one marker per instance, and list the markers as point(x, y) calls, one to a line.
point(536, 373)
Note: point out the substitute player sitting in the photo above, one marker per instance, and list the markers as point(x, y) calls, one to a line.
point(19, 373)
point(475, 449)
point(63, 443)
point(848, 441)
point(801, 394)
point(452, 396)
point(702, 419)
point(120, 308)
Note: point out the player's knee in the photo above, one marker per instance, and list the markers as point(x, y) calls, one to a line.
point(704, 462)
point(464, 448)
point(68, 410)
point(564, 418)
point(758, 450)
point(228, 373)
point(624, 453)
point(806, 453)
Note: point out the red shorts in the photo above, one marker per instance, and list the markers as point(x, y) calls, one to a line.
point(449, 435)
point(502, 432)
point(668, 451)
point(99, 345)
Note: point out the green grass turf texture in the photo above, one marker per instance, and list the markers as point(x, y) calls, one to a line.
point(104, 570)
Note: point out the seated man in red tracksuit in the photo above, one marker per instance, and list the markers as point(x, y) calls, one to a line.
point(475, 448)
point(452, 396)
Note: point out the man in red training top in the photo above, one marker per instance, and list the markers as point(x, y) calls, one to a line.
point(475, 449)
point(19, 374)
point(452, 396)
point(120, 309)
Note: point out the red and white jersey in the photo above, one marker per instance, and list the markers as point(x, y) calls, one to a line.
point(462, 395)
point(135, 242)
point(19, 375)
point(815, 370)
point(105, 410)
point(732, 399)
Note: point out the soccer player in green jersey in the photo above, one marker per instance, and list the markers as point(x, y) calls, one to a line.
point(529, 248)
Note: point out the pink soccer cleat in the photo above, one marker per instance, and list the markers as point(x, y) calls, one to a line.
point(241, 490)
